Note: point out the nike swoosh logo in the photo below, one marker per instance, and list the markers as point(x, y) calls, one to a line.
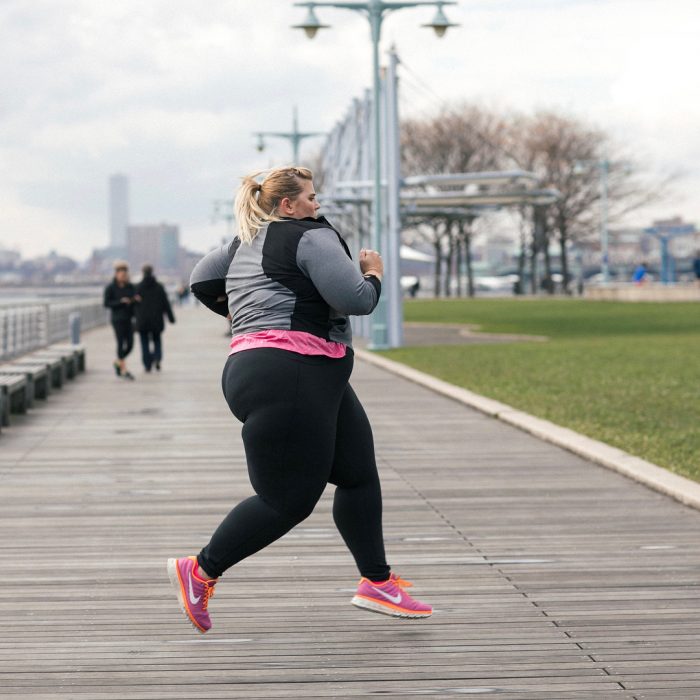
point(193, 599)
point(396, 599)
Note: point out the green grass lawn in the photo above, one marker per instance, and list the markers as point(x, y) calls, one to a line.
point(624, 373)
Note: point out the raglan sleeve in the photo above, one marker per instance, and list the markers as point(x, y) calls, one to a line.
point(208, 279)
point(321, 257)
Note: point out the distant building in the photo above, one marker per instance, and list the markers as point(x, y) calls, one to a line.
point(681, 247)
point(9, 267)
point(118, 211)
point(630, 246)
point(9, 259)
point(188, 259)
point(634, 245)
point(155, 244)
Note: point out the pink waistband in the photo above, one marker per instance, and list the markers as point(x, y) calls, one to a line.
point(295, 341)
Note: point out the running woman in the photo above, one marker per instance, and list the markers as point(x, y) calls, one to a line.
point(288, 283)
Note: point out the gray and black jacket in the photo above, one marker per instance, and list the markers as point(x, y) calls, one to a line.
point(296, 275)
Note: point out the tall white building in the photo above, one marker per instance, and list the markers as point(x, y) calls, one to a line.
point(118, 210)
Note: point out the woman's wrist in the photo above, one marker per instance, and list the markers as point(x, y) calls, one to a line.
point(374, 273)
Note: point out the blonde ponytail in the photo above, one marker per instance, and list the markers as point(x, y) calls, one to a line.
point(256, 202)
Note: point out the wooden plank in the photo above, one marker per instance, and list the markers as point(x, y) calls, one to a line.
point(551, 577)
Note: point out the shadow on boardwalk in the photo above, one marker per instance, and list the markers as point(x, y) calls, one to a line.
point(551, 577)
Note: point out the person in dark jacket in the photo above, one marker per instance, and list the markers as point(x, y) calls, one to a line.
point(120, 297)
point(153, 305)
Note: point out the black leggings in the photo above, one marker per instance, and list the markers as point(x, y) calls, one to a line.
point(125, 337)
point(303, 427)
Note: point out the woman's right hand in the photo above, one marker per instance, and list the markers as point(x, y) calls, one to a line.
point(371, 263)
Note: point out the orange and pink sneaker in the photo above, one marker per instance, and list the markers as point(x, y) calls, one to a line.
point(193, 591)
point(389, 598)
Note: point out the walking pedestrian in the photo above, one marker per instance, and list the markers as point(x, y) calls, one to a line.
point(288, 283)
point(152, 306)
point(696, 269)
point(120, 297)
point(640, 274)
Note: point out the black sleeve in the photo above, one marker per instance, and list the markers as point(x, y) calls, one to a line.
point(376, 283)
point(111, 301)
point(212, 293)
point(166, 305)
point(208, 279)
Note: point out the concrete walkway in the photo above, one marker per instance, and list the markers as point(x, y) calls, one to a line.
point(552, 578)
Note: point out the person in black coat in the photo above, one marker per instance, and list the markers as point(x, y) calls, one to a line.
point(120, 297)
point(153, 305)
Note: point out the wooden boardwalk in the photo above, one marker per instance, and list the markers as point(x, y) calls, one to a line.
point(552, 578)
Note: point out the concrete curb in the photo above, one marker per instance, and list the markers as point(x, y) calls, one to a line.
point(651, 475)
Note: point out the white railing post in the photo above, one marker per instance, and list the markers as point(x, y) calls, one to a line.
point(27, 326)
point(74, 327)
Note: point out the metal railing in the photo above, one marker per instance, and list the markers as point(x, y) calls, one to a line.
point(27, 326)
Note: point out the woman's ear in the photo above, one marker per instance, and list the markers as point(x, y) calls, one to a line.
point(284, 206)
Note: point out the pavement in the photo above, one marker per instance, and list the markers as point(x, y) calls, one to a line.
point(551, 576)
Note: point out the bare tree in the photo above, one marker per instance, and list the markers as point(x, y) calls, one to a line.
point(464, 234)
point(566, 153)
point(462, 138)
point(529, 242)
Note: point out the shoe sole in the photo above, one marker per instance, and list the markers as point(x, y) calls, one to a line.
point(366, 604)
point(174, 577)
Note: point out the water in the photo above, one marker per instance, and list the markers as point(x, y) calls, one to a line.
point(11, 296)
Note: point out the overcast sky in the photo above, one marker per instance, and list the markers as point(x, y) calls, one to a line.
point(168, 93)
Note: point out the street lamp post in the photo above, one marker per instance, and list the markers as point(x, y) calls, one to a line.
point(295, 137)
point(375, 11)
